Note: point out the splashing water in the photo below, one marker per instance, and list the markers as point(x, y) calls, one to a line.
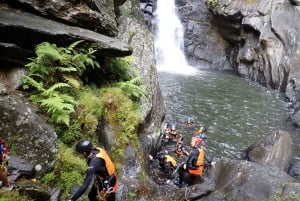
point(169, 40)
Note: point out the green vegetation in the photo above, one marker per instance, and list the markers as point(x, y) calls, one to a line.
point(69, 170)
point(13, 196)
point(213, 3)
point(278, 197)
point(251, 1)
point(52, 76)
point(122, 114)
point(74, 108)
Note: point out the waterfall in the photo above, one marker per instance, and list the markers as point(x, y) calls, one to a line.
point(169, 40)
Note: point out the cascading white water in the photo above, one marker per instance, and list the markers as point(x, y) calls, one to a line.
point(169, 40)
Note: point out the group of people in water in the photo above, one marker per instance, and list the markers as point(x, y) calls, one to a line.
point(195, 154)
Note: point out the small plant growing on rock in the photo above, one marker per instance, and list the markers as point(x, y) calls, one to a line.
point(213, 3)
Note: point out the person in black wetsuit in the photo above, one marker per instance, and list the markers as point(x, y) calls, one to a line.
point(195, 163)
point(102, 168)
point(167, 163)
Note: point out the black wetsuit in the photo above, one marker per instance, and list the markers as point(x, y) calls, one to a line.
point(191, 164)
point(96, 166)
point(167, 168)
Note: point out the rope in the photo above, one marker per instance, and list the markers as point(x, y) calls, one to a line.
point(100, 193)
point(185, 194)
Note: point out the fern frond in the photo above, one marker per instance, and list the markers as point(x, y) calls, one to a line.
point(136, 81)
point(52, 90)
point(49, 51)
point(66, 69)
point(61, 118)
point(132, 90)
point(68, 99)
point(28, 81)
point(72, 81)
point(73, 45)
point(96, 64)
point(57, 104)
point(58, 109)
point(78, 60)
point(35, 99)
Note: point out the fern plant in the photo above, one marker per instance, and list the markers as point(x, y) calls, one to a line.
point(133, 88)
point(53, 74)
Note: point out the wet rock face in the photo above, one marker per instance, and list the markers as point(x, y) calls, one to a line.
point(244, 180)
point(94, 15)
point(273, 150)
point(22, 31)
point(202, 41)
point(267, 45)
point(295, 2)
point(28, 134)
point(292, 95)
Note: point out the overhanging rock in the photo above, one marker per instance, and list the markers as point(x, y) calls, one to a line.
point(27, 30)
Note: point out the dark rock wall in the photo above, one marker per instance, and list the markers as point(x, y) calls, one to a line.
point(203, 45)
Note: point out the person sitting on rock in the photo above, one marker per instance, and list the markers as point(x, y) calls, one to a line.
point(180, 148)
point(167, 163)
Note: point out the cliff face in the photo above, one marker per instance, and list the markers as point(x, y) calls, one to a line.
point(258, 39)
point(24, 24)
point(265, 43)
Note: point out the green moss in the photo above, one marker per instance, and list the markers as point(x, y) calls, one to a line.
point(121, 69)
point(13, 196)
point(69, 170)
point(121, 113)
point(213, 3)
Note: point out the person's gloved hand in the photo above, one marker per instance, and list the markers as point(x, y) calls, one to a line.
point(107, 187)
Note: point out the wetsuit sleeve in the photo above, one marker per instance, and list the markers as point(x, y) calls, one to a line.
point(207, 159)
point(85, 185)
point(192, 160)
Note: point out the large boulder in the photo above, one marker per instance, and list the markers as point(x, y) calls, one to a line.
point(274, 150)
point(292, 95)
point(243, 180)
point(27, 134)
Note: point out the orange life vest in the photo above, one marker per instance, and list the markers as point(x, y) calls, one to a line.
point(200, 163)
point(179, 148)
point(108, 162)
